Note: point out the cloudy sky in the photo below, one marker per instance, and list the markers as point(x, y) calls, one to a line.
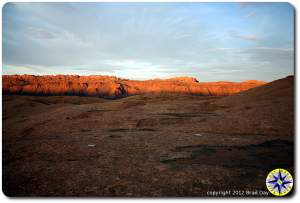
point(209, 41)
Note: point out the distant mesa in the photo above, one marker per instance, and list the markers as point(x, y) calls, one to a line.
point(113, 87)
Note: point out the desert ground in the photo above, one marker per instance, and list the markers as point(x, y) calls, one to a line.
point(147, 145)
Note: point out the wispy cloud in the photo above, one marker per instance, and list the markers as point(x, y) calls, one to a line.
point(251, 14)
point(41, 33)
point(275, 49)
point(182, 36)
point(249, 4)
point(236, 34)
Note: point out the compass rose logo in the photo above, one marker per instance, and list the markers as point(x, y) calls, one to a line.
point(279, 182)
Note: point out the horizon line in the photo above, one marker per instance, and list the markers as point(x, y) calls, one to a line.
point(121, 78)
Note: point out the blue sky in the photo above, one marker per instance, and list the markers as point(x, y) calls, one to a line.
point(209, 41)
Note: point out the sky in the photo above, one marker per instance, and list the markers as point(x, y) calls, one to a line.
point(209, 41)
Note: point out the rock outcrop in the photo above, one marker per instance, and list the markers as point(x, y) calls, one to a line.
point(113, 87)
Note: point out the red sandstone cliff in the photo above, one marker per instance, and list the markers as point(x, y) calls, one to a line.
point(113, 87)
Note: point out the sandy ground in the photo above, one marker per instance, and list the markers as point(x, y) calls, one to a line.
point(162, 145)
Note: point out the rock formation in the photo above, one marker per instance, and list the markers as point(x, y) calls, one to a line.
point(113, 87)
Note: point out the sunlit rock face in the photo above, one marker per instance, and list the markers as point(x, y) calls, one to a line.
point(113, 87)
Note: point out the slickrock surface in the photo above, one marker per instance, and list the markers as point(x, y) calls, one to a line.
point(113, 87)
point(150, 145)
